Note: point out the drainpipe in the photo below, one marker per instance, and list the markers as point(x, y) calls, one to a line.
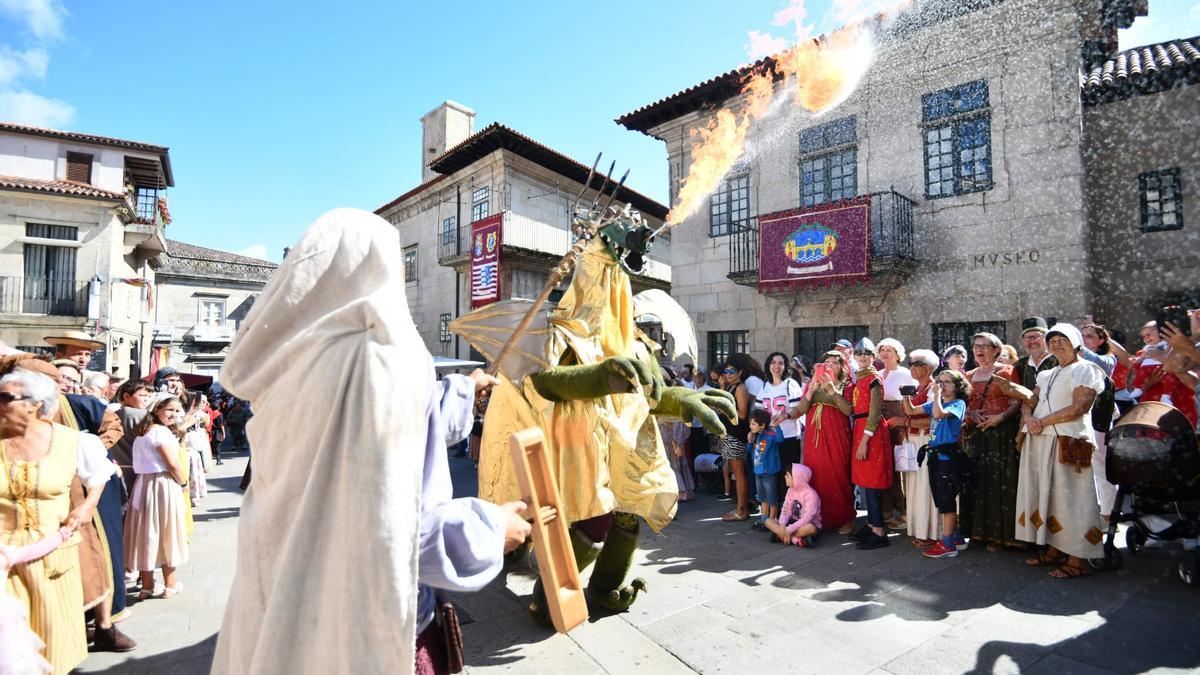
point(458, 223)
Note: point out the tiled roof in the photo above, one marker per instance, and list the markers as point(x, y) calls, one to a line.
point(496, 136)
point(420, 188)
point(1144, 70)
point(178, 249)
point(161, 150)
point(58, 187)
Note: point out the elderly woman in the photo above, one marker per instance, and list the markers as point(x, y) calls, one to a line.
point(894, 376)
point(827, 443)
point(38, 460)
point(1056, 501)
point(990, 442)
point(924, 523)
point(955, 357)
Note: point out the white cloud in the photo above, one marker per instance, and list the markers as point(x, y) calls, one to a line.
point(1167, 20)
point(25, 107)
point(16, 65)
point(762, 44)
point(43, 18)
point(256, 251)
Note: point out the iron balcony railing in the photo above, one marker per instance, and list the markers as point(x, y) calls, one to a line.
point(51, 297)
point(891, 236)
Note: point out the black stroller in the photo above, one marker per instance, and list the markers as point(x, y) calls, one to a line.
point(1153, 459)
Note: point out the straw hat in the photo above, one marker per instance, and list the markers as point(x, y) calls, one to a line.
point(74, 338)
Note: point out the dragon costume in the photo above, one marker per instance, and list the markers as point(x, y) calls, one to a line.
point(589, 379)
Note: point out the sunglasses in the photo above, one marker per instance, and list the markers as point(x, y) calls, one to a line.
point(7, 397)
point(729, 371)
point(863, 352)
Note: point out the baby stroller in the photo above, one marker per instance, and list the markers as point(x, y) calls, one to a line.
point(708, 472)
point(1153, 460)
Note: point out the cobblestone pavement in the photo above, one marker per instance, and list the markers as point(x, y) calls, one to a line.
point(724, 600)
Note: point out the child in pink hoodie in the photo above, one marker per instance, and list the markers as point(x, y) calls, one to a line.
point(800, 518)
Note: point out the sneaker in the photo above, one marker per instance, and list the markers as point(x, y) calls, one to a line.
point(872, 541)
point(725, 497)
point(111, 639)
point(960, 543)
point(940, 550)
point(807, 542)
point(773, 539)
point(861, 533)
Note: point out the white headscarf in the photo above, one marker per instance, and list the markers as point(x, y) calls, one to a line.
point(326, 578)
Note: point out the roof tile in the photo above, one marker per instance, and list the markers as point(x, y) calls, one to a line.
point(60, 187)
point(1143, 70)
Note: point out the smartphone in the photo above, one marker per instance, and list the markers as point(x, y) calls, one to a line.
point(823, 372)
point(1176, 315)
point(908, 390)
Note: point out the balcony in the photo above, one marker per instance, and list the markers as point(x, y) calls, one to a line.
point(48, 297)
point(162, 332)
point(538, 243)
point(892, 255)
point(211, 333)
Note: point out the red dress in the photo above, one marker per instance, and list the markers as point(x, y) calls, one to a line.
point(827, 453)
point(874, 472)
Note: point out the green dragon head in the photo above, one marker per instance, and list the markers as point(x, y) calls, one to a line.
point(626, 238)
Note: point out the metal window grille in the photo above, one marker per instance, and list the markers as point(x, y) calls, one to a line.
point(410, 263)
point(1161, 194)
point(729, 210)
point(947, 334)
point(958, 140)
point(48, 286)
point(448, 230)
point(444, 328)
point(812, 343)
point(480, 203)
point(724, 343)
point(147, 203)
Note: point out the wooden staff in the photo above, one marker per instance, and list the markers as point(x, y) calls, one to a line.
point(551, 542)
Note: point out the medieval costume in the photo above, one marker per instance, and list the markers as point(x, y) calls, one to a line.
point(827, 452)
point(996, 459)
point(924, 521)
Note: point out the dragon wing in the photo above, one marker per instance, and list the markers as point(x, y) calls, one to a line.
point(675, 320)
point(488, 328)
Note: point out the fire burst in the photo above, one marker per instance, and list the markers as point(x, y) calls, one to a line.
point(821, 72)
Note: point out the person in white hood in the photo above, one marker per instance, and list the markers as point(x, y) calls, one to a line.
point(350, 506)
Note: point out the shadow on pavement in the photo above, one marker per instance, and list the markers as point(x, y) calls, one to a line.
point(193, 659)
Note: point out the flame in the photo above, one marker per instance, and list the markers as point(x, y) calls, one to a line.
point(824, 72)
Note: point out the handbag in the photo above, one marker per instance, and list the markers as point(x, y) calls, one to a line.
point(905, 456)
point(447, 618)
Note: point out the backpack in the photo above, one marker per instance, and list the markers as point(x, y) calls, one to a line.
point(1104, 405)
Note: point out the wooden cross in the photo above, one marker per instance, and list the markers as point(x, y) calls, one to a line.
point(551, 542)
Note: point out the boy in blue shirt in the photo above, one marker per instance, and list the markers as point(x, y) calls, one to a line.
point(946, 411)
point(764, 443)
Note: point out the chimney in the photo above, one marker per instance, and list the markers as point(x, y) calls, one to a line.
point(441, 129)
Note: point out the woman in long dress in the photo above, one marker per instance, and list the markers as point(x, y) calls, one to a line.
point(38, 459)
point(990, 432)
point(827, 443)
point(1056, 502)
point(924, 522)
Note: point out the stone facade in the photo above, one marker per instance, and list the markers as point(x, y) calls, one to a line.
point(528, 185)
point(202, 296)
point(982, 259)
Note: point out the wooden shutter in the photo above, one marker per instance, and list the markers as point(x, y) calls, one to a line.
point(79, 167)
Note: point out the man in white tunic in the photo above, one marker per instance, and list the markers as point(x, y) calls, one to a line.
point(1056, 502)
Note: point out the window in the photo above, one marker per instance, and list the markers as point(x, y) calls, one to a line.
point(947, 334)
point(730, 207)
point(79, 167)
point(811, 343)
point(444, 328)
point(147, 203)
point(410, 263)
point(1162, 200)
point(828, 168)
point(479, 204)
point(212, 311)
point(724, 343)
point(49, 284)
point(958, 140)
point(448, 230)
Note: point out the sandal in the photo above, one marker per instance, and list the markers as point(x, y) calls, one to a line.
point(1045, 558)
point(172, 591)
point(922, 543)
point(734, 516)
point(1068, 571)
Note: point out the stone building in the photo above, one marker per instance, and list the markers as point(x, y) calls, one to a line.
point(968, 143)
point(500, 177)
point(82, 221)
point(202, 295)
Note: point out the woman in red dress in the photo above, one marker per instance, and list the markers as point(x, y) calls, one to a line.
point(871, 466)
point(826, 447)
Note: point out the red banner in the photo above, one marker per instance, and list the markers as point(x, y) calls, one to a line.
point(485, 260)
point(817, 246)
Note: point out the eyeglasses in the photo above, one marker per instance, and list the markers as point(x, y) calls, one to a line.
point(7, 397)
point(863, 352)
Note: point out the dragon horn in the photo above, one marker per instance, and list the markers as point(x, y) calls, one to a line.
point(587, 183)
point(603, 185)
point(617, 189)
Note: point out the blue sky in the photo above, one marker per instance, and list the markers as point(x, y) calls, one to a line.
point(276, 112)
